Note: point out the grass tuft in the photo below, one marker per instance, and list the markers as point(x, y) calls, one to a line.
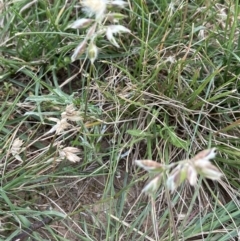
point(165, 87)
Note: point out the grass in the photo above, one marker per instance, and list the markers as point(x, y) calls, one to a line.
point(169, 91)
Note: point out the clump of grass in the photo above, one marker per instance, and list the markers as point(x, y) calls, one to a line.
point(70, 130)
